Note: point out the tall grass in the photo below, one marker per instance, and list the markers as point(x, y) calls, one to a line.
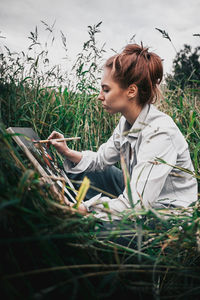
point(29, 96)
point(46, 250)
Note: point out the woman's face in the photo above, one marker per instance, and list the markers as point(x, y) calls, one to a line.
point(114, 99)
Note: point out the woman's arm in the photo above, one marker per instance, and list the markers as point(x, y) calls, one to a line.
point(62, 148)
point(107, 154)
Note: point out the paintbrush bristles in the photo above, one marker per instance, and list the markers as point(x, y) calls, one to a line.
point(57, 140)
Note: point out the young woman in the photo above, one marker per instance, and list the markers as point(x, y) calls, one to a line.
point(130, 84)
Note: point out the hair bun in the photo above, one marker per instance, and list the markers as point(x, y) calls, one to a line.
point(144, 52)
point(135, 64)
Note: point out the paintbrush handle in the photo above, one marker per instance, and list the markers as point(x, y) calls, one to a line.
point(58, 140)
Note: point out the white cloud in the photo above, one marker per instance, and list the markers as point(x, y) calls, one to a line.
point(121, 20)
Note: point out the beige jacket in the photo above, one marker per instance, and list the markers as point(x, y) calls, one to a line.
point(153, 135)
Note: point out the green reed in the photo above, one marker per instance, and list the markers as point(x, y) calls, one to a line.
point(49, 252)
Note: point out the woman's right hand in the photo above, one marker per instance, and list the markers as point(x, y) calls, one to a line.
point(61, 147)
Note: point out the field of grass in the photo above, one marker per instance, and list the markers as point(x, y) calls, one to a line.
point(48, 252)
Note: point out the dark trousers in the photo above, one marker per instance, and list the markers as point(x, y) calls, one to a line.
point(110, 181)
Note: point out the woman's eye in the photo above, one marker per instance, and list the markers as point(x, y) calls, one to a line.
point(106, 91)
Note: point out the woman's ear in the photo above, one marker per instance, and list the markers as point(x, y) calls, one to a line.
point(132, 91)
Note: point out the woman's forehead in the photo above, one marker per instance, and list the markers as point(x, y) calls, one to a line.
point(107, 77)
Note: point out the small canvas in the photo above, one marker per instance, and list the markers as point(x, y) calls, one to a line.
point(41, 157)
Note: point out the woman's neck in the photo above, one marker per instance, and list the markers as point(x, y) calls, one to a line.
point(132, 112)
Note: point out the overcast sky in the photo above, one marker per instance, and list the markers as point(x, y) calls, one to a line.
point(121, 19)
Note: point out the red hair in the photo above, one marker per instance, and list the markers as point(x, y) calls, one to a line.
point(135, 65)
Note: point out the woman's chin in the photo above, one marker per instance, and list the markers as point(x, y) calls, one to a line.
point(109, 110)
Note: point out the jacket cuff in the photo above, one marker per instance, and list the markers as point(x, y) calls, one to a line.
point(74, 168)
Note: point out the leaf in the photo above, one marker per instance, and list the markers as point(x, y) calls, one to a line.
point(106, 206)
point(164, 34)
point(127, 181)
point(24, 182)
point(9, 203)
point(179, 168)
point(82, 191)
point(99, 24)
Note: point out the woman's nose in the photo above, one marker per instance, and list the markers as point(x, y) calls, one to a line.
point(101, 97)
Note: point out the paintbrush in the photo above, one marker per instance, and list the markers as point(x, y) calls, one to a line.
point(56, 140)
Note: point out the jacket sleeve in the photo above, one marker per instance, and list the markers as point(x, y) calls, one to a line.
point(107, 154)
